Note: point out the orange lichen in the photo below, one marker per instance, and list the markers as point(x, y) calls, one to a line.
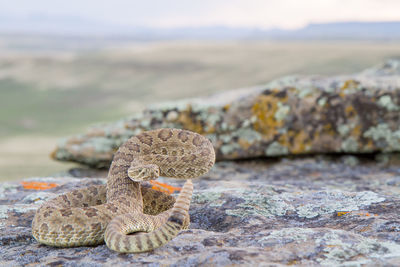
point(166, 188)
point(38, 185)
point(367, 214)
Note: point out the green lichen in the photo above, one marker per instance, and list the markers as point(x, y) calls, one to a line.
point(322, 101)
point(8, 188)
point(213, 138)
point(350, 145)
point(249, 135)
point(158, 115)
point(212, 119)
point(19, 208)
point(386, 102)
point(337, 252)
point(285, 81)
point(201, 106)
point(333, 201)
point(384, 137)
point(349, 87)
point(145, 123)
point(288, 235)
point(303, 92)
point(37, 197)
point(228, 149)
point(224, 126)
point(261, 203)
point(246, 123)
point(213, 195)
point(100, 144)
point(282, 112)
point(276, 149)
point(309, 205)
point(343, 129)
point(208, 197)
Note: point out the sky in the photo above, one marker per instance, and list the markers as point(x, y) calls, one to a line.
point(263, 14)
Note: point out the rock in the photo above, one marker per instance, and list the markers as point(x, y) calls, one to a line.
point(295, 115)
point(302, 211)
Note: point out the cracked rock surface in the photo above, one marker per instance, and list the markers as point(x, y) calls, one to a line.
point(300, 211)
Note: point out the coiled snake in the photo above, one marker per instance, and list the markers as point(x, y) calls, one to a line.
point(111, 212)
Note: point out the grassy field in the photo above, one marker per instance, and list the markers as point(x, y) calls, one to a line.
point(49, 93)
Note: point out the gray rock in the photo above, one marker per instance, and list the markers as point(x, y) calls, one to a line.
point(357, 113)
point(304, 211)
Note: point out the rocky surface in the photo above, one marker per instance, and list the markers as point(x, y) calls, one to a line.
point(357, 113)
point(337, 210)
point(332, 211)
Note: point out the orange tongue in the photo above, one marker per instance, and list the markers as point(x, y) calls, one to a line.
point(38, 185)
point(166, 188)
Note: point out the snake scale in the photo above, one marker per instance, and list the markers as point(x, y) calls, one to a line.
point(124, 214)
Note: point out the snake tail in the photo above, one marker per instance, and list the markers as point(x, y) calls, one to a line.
point(150, 231)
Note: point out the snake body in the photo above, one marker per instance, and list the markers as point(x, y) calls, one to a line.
point(111, 212)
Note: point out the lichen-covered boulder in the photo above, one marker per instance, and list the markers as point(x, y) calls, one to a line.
point(307, 212)
point(357, 113)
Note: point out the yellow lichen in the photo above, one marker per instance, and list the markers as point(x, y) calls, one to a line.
point(243, 143)
point(341, 213)
point(194, 123)
point(226, 107)
point(350, 111)
point(349, 84)
point(356, 132)
point(299, 144)
point(264, 109)
point(370, 145)
point(188, 122)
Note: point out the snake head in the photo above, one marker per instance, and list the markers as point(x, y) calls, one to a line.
point(146, 172)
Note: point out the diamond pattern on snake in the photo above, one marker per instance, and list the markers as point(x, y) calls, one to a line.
point(114, 211)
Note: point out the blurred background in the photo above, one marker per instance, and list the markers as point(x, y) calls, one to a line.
point(66, 65)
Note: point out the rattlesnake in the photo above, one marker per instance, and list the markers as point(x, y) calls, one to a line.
point(110, 212)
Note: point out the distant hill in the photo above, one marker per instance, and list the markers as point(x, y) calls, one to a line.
point(76, 26)
point(343, 30)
